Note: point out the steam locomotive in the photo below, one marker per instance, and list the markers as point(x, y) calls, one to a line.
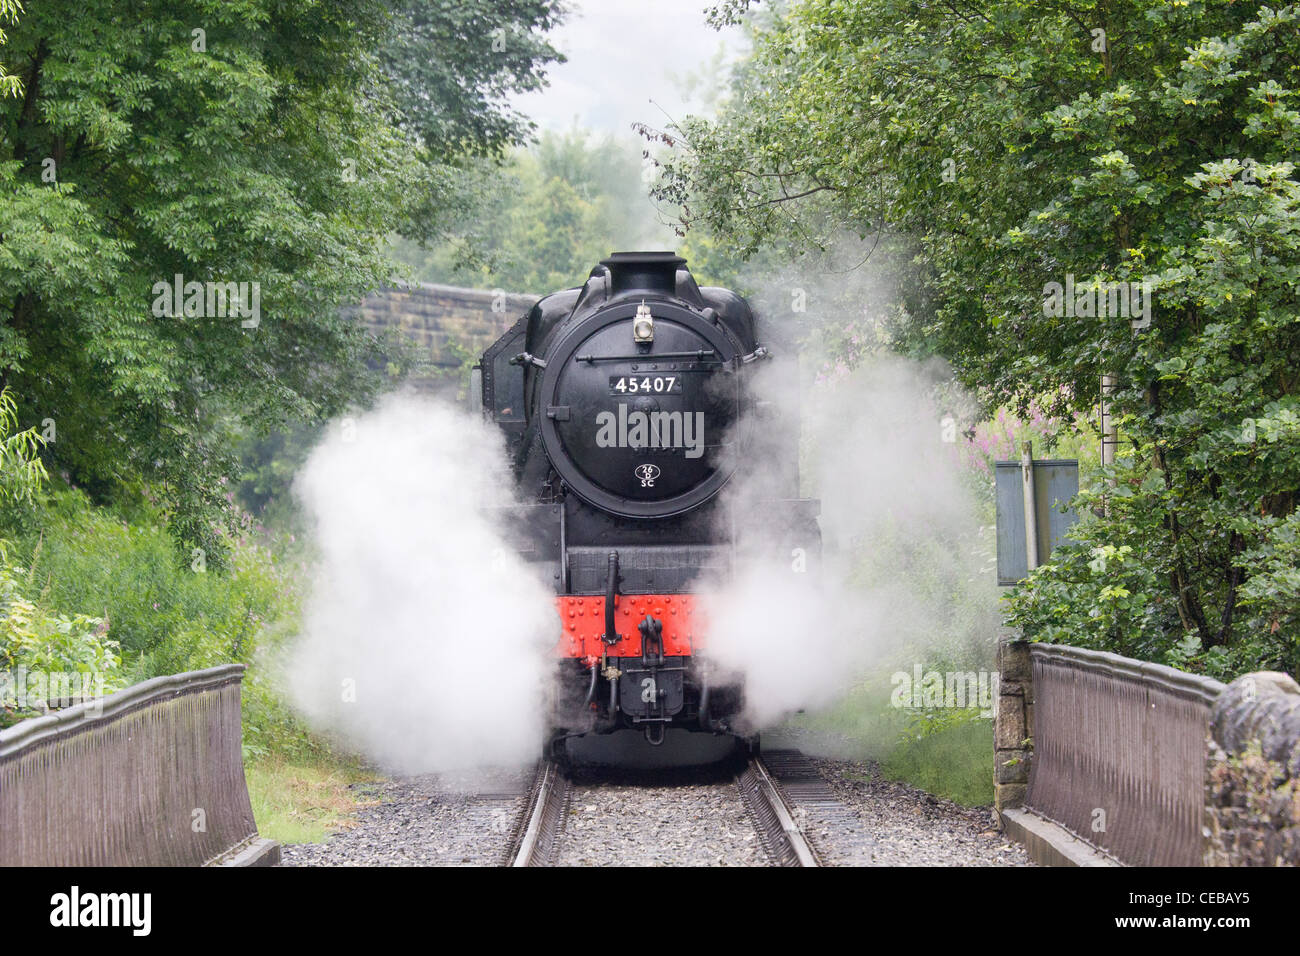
point(628, 407)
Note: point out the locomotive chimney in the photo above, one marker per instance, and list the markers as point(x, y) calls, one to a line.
point(643, 272)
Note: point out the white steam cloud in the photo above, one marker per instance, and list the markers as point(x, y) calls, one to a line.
point(901, 532)
point(426, 636)
point(426, 640)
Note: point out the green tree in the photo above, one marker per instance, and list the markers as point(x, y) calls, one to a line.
point(9, 85)
point(554, 211)
point(1009, 145)
point(451, 66)
point(248, 141)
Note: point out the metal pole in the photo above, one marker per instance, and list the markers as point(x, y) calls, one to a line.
point(1031, 513)
point(1109, 433)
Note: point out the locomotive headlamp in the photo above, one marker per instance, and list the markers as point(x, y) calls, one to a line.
point(643, 326)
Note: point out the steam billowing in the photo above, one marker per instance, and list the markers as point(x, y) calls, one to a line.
point(897, 520)
point(426, 638)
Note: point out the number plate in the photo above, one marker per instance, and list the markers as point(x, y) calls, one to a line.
point(666, 384)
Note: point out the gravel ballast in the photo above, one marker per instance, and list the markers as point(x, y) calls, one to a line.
point(658, 818)
point(664, 819)
point(444, 820)
point(909, 827)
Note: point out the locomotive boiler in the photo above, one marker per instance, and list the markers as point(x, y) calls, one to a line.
point(629, 409)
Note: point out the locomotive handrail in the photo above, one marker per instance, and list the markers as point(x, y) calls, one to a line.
point(699, 355)
point(528, 358)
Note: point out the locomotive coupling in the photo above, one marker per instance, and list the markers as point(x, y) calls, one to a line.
point(652, 641)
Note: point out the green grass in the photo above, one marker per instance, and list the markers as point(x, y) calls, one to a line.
point(954, 762)
point(305, 800)
point(861, 719)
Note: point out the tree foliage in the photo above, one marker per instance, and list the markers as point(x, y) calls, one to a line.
point(268, 142)
point(545, 218)
point(1010, 145)
point(454, 64)
point(33, 638)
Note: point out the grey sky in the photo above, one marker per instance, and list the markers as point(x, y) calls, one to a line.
point(621, 55)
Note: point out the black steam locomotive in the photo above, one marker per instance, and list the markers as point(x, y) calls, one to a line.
point(628, 407)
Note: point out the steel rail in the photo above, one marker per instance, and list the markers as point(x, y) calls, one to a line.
point(780, 834)
point(545, 815)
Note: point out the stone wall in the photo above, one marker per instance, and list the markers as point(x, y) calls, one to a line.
point(1252, 790)
point(1013, 722)
point(444, 323)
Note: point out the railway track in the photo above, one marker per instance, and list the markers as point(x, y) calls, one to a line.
point(780, 810)
point(535, 841)
point(780, 834)
point(783, 795)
